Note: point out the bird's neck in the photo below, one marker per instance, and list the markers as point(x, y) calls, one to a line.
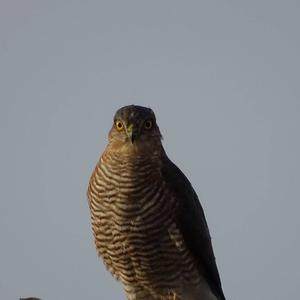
point(134, 159)
point(135, 153)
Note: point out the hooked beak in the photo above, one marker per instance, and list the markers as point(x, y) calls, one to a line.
point(132, 133)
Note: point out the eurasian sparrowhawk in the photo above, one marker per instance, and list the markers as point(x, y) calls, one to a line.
point(148, 223)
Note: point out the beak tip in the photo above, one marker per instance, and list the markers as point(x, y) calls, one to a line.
point(133, 138)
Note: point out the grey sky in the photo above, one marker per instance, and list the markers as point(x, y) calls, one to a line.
point(223, 79)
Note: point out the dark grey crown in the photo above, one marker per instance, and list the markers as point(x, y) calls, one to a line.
point(134, 113)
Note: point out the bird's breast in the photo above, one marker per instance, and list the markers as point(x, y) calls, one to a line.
point(133, 218)
point(130, 196)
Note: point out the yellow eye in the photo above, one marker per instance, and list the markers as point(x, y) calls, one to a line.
point(119, 125)
point(148, 124)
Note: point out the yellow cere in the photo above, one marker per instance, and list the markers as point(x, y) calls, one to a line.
point(130, 128)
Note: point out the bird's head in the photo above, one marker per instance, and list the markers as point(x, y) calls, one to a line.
point(135, 128)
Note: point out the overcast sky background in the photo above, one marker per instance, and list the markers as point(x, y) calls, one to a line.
point(223, 79)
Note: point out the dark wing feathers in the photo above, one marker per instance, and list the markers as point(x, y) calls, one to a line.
point(192, 223)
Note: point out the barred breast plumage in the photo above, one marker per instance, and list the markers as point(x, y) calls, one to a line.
point(148, 224)
point(132, 214)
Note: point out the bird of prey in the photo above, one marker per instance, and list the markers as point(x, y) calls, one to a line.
point(148, 224)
